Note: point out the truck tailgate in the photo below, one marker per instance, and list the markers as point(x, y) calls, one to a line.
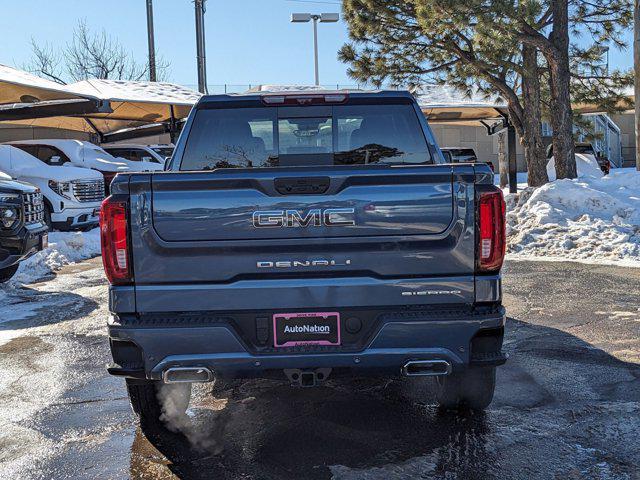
point(372, 224)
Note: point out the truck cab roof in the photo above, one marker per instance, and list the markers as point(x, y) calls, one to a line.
point(329, 96)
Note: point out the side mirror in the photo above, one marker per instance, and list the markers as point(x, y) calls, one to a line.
point(54, 159)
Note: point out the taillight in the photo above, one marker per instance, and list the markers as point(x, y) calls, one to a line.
point(114, 238)
point(491, 231)
point(304, 99)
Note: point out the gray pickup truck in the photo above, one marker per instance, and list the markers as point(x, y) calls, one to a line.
point(305, 235)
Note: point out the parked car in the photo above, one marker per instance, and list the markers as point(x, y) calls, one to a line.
point(462, 155)
point(584, 148)
point(72, 195)
point(273, 247)
point(83, 154)
point(22, 228)
point(142, 153)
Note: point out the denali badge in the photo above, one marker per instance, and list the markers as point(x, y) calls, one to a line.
point(317, 217)
point(302, 263)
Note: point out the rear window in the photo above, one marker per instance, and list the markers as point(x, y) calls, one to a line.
point(290, 136)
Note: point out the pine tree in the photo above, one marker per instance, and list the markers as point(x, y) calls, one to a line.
point(490, 46)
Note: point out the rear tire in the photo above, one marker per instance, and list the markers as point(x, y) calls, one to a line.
point(8, 272)
point(155, 402)
point(47, 217)
point(472, 389)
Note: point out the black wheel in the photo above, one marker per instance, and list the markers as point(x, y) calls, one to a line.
point(472, 389)
point(156, 402)
point(47, 217)
point(8, 272)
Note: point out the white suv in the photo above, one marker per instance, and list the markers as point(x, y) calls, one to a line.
point(141, 153)
point(82, 154)
point(72, 195)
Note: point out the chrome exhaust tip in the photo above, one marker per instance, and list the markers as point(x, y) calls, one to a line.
point(187, 375)
point(426, 368)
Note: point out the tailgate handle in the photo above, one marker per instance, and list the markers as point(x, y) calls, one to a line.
point(302, 185)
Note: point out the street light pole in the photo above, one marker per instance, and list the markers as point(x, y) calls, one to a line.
point(308, 17)
point(151, 41)
point(200, 46)
point(315, 47)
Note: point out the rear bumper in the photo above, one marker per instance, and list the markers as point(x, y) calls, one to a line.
point(146, 351)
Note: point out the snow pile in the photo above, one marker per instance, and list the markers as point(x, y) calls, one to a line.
point(595, 219)
point(64, 248)
point(439, 96)
point(586, 165)
point(285, 88)
point(134, 91)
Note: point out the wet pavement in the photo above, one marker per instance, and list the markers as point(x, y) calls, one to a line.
point(567, 403)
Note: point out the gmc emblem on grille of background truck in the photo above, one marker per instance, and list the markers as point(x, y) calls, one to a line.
point(317, 217)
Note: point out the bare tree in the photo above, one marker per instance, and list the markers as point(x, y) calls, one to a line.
point(90, 55)
point(46, 62)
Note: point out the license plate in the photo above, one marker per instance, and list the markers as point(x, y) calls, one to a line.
point(316, 328)
point(44, 241)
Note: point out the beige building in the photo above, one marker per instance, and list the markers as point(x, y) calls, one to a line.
point(485, 146)
point(617, 141)
point(625, 122)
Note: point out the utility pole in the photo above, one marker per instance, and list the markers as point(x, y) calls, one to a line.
point(151, 41)
point(636, 69)
point(200, 46)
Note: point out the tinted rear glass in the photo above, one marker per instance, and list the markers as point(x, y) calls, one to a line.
point(276, 136)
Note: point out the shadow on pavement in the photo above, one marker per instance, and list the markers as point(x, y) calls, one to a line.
point(26, 308)
point(266, 429)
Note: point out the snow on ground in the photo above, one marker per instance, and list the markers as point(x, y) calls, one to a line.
point(593, 218)
point(586, 165)
point(64, 248)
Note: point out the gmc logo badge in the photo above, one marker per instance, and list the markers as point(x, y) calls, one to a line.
point(317, 217)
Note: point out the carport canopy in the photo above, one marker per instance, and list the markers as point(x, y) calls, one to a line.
point(444, 104)
point(26, 96)
point(123, 105)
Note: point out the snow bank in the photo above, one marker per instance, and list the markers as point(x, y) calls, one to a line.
point(594, 219)
point(64, 248)
point(586, 165)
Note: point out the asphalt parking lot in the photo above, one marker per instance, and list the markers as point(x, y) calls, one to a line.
point(567, 403)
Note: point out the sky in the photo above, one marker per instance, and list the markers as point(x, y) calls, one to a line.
point(248, 41)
